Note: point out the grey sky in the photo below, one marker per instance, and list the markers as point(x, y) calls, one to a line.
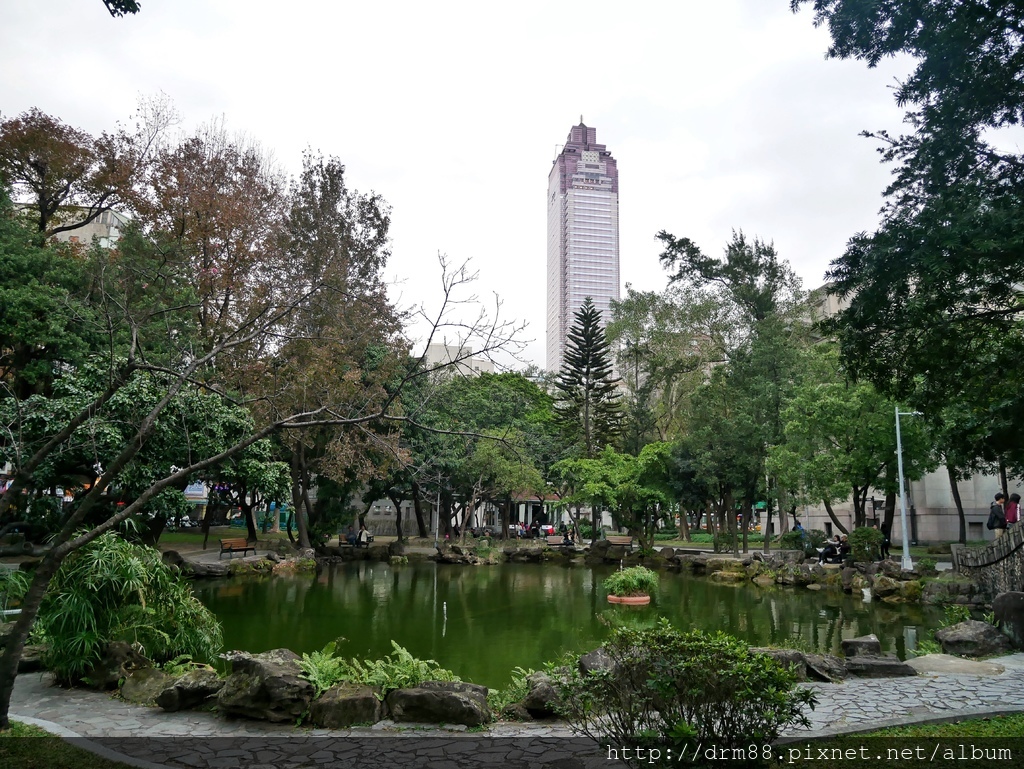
point(721, 114)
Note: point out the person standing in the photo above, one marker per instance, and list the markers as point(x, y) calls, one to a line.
point(997, 514)
point(1013, 509)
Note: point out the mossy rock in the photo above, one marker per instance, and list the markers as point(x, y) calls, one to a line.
point(725, 564)
point(398, 560)
point(728, 577)
point(765, 579)
point(911, 590)
point(296, 566)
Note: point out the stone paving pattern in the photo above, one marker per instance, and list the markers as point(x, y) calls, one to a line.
point(149, 737)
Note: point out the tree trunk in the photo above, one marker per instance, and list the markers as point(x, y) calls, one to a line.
point(684, 522)
point(396, 500)
point(959, 504)
point(22, 626)
point(832, 515)
point(890, 512)
point(417, 506)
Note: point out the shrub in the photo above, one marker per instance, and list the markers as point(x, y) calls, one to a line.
point(809, 541)
point(674, 690)
point(112, 590)
point(636, 580)
point(926, 564)
point(927, 647)
point(866, 544)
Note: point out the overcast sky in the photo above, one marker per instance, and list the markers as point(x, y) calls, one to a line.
point(722, 114)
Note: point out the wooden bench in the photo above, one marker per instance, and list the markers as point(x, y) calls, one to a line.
point(232, 546)
point(620, 539)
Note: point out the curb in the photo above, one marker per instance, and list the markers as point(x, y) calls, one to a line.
point(85, 743)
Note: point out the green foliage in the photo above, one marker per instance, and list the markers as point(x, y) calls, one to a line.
point(323, 669)
point(955, 613)
point(398, 670)
point(13, 586)
point(926, 646)
point(866, 544)
point(927, 564)
point(112, 590)
point(588, 404)
point(517, 689)
point(636, 580)
point(180, 665)
point(673, 689)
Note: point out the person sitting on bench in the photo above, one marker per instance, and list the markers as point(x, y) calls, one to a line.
point(831, 549)
point(350, 537)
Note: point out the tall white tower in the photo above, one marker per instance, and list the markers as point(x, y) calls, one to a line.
point(583, 235)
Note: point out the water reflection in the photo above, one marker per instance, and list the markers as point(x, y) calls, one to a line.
point(482, 622)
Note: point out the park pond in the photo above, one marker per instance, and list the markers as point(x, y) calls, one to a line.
point(481, 622)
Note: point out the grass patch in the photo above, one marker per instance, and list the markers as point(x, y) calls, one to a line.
point(995, 726)
point(50, 752)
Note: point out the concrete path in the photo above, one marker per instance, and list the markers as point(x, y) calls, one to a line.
point(148, 737)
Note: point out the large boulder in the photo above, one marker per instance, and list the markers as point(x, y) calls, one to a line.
point(542, 698)
point(825, 667)
point(190, 689)
point(884, 586)
point(1009, 612)
point(119, 661)
point(595, 661)
point(344, 705)
point(266, 686)
point(864, 646)
point(441, 702)
point(973, 639)
point(31, 660)
point(889, 666)
point(790, 658)
point(143, 686)
point(725, 564)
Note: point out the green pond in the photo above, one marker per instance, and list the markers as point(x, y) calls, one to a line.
point(483, 621)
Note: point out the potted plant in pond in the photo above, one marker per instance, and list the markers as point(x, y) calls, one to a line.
point(634, 585)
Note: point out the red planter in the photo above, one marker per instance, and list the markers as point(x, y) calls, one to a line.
point(631, 600)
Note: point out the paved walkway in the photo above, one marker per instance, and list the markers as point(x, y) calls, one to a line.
point(148, 737)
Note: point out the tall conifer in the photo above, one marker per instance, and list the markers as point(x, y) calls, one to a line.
point(588, 402)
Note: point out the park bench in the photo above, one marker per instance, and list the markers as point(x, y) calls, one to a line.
point(232, 546)
point(620, 539)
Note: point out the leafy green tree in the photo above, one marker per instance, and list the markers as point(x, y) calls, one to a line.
point(664, 344)
point(759, 336)
point(840, 441)
point(941, 279)
point(588, 406)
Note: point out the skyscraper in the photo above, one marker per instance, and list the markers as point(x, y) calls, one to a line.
point(583, 234)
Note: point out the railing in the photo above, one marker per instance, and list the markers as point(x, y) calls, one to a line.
point(999, 567)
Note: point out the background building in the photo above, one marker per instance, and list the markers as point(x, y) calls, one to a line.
point(583, 235)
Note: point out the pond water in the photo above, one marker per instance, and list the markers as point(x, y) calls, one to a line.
point(481, 622)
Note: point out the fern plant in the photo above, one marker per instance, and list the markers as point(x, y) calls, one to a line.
point(322, 668)
point(518, 688)
point(398, 670)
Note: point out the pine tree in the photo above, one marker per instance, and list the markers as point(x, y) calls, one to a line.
point(588, 402)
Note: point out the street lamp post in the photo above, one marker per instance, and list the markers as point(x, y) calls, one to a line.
point(907, 564)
